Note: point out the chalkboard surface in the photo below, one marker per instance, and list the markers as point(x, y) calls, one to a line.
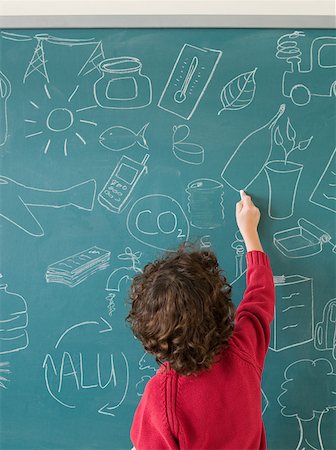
point(117, 145)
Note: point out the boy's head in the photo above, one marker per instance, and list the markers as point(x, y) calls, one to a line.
point(181, 309)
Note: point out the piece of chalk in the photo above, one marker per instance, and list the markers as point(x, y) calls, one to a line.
point(241, 192)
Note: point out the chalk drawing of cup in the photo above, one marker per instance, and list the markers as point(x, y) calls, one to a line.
point(283, 179)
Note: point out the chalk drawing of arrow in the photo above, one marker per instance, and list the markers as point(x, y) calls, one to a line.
point(105, 327)
point(48, 358)
point(16, 199)
point(107, 409)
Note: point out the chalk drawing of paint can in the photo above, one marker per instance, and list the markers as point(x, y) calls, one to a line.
point(205, 203)
point(122, 85)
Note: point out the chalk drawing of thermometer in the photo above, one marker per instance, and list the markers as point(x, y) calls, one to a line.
point(180, 95)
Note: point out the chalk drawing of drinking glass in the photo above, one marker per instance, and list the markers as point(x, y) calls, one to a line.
point(122, 84)
point(205, 203)
point(13, 321)
point(282, 175)
point(319, 79)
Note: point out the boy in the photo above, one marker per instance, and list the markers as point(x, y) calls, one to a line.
point(206, 394)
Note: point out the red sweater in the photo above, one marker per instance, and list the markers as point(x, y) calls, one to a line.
point(220, 408)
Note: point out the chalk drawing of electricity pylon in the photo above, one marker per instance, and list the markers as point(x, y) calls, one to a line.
point(38, 62)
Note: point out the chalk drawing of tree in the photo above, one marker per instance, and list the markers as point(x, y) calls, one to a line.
point(309, 392)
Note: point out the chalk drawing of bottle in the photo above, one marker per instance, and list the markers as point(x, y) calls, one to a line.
point(252, 154)
point(205, 203)
point(283, 179)
point(13, 321)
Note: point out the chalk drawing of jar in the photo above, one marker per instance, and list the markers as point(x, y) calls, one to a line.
point(13, 321)
point(122, 85)
point(283, 179)
point(205, 203)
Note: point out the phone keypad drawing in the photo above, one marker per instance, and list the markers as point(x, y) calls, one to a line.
point(121, 183)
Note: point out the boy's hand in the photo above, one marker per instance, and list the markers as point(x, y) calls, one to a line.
point(248, 216)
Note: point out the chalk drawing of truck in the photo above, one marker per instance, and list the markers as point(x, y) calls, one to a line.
point(319, 79)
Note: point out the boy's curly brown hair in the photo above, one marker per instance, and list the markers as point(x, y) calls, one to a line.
point(181, 309)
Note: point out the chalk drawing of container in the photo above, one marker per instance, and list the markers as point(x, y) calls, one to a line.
point(319, 79)
point(13, 321)
point(293, 312)
point(283, 179)
point(303, 241)
point(205, 203)
point(122, 85)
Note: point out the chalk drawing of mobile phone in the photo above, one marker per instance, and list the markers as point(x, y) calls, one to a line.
point(121, 183)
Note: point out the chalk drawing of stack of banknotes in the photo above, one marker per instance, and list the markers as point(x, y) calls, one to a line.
point(77, 268)
point(16, 199)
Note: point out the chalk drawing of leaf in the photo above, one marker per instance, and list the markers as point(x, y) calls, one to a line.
point(239, 92)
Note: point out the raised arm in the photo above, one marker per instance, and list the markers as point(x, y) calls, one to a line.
point(256, 311)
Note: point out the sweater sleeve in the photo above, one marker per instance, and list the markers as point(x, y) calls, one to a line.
point(150, 429)
point(256, 311)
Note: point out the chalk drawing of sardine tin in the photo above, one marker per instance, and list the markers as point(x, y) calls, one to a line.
point(205, 203)
point(303, 241)
point(122, 84)
point(319, 79)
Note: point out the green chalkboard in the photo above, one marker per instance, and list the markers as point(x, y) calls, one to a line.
point(117, 145)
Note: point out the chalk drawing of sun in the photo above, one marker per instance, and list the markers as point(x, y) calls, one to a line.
point(62, 121)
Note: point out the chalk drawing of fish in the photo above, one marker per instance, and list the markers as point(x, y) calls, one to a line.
point(120, 138)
